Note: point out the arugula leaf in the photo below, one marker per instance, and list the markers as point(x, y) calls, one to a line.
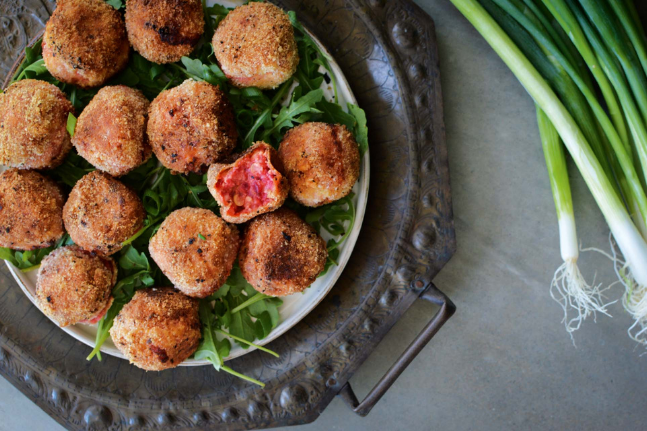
point(360, 129)
point(71, 124)
point(207, 348)
point(132, 259)
point(287, 115)
point(117, 4)
point(73, 169)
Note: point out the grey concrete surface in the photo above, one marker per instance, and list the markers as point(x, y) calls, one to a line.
point(504, 361)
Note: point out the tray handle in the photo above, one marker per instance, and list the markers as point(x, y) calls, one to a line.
point(447, 309)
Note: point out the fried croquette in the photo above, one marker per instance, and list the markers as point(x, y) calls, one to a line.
point(85, 42)
point(31, 210)
point(111, 131)
point(280, 254)
point(196, 250)
point(163, 31)
point(33, 120)
point(101, 213)
point(75, 286)
point(255, 46)
point(158, 329)
point(250, 186)
point(321, 162)
point(191, 127)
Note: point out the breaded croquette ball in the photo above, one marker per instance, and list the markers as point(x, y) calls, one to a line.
point(111, 131)
point(158, 329)
point(191, 127)
point(85, 42)
point(196, 250)
point(250, 186)
point(33, 120)
point(321, 162)
point(280, 254)
point(31, 210)
point(101, 213)
point(255, 46)
point(163, 31)
point(75, 286)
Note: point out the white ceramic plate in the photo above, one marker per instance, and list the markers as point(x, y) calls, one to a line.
point(295, 307)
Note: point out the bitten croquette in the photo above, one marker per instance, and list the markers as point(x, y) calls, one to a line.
point(252, 185)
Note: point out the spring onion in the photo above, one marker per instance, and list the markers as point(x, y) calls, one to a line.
point(626, 234)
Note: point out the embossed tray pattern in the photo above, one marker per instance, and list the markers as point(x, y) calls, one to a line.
point(387, 50)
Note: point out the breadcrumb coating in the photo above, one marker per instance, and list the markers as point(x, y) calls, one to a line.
point(85, 42)
point(158, 329)
point(255, 46)
point(111, 131)
point(321, 162)
point(163, 31)
point(75, 285)
point(33, 120)
point(280, 254)
point(191, 127)
point(101, 213)
point(196, 250)
point(31, 208)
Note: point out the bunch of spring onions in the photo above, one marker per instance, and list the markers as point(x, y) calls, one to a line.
point(584, 62)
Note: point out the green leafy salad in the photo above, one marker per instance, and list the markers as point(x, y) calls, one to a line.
point(236, 312)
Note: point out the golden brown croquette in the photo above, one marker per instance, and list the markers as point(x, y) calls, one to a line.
point(85, 42)
point(321, 162)
point(280, 254)
point(101, 213)
point(31, 209)
point(163, 31)
point(158, 329)
point(75, 286)
point(255, 46)
point(196, 250)
point(111, 131)
point(33, 120)
point(250, 186)
point(191, 127)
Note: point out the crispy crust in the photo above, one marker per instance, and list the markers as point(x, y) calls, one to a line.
point(33, 119)
point(101, 213)
point(85, 42)
point(218, 171)
point(158, 329)
point(111, 130)
point(321, 161)
point(195, 266)
point(74, 285)
point(281, 254)
point(191, 127)
point(31, 208)
point(255, 46)
point(163, 31)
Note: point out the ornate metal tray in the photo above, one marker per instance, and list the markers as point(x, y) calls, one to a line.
point(387, 50)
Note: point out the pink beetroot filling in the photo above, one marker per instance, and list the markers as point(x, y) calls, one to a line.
point(245, 187)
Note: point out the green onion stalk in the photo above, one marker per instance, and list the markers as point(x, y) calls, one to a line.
point(626, 234)
point(569, 287)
